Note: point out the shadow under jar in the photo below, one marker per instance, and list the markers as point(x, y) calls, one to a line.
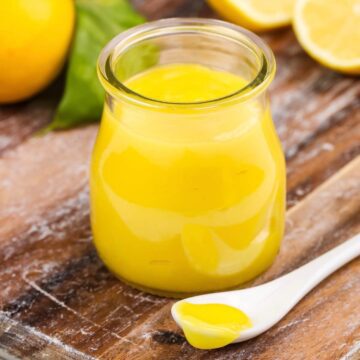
point(187, 192)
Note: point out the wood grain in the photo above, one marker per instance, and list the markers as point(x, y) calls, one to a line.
point(19, 122)
point(57, 300)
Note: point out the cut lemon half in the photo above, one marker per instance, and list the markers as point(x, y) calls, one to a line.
point(329, 30)
point(256, 15)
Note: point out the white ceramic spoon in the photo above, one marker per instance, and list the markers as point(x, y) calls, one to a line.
point(266, 304)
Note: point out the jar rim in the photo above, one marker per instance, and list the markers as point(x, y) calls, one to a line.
point(126, 39)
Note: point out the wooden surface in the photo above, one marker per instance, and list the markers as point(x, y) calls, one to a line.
point(57, 300)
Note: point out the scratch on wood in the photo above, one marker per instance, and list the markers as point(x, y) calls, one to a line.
point(63, 305)
point(5, 355)
point(9, 323)
point(143, 331)
point(354, 353)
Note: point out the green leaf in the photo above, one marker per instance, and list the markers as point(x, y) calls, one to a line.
point(98, 21)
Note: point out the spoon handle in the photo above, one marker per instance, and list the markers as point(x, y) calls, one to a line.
point(318, 269)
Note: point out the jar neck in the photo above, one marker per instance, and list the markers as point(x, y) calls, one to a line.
point(211, 43)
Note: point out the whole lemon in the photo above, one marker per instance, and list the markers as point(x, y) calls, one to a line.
point(34, 40)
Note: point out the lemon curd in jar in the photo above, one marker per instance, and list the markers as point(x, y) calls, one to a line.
point(187, 192)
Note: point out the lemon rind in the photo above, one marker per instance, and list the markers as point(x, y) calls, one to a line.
point(325, 57)
point(249, 17)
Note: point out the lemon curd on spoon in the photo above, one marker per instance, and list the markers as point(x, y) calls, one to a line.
point(210, 326)
point(187, 181)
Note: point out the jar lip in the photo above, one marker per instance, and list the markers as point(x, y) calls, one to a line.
point(138, 33)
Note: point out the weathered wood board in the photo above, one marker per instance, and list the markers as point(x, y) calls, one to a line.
point(57, 300)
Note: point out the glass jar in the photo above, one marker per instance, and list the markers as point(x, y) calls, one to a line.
point(187, 197)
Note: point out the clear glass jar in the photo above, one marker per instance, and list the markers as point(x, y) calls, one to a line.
point(187, 197)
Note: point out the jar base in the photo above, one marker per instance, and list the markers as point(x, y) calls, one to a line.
point(183, 295)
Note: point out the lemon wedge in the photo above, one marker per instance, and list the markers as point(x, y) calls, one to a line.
point(329, 30)
point(256, 15)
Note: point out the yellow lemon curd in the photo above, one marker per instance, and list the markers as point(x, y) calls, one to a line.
point(186, 199)
point(210, 326)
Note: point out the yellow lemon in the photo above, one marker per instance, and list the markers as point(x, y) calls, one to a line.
point(256, 15)
point(34, 39)
point(329, 30)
